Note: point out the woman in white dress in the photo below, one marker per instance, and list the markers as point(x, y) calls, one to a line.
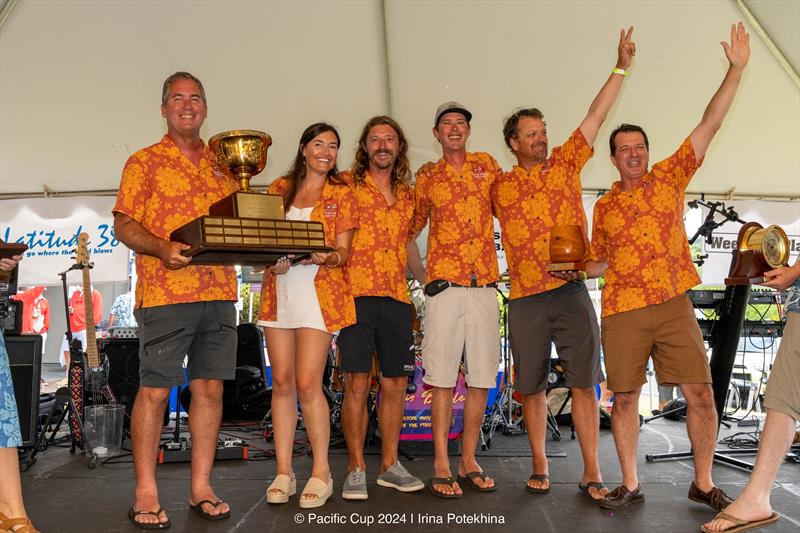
point(302, 305)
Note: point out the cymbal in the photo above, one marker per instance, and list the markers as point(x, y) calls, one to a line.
point(504, 278)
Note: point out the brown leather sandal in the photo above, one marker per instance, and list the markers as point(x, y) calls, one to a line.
point(16, 525)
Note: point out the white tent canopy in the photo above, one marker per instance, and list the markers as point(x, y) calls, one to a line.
point(80, 81)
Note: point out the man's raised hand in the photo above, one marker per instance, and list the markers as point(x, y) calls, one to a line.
point(626, 49)
point(738, 51)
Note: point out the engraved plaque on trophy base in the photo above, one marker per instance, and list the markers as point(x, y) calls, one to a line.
point(573, 265)
point(219, 240)
point(249, 205)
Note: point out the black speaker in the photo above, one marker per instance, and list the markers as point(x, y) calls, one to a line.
point(246, 397)
point(25, 357)
point(250, 348)
point(123, 370)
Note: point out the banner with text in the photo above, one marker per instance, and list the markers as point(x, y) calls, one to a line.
point(721, 243)
point(50, 227)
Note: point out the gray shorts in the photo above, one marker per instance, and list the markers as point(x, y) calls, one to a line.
point(203, 331)
point(564, 316)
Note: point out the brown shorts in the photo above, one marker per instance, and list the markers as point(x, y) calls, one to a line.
point(668, 332)
point(783, 387)
point(564, 316)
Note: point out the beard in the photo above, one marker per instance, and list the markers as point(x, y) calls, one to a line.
point(383, 164)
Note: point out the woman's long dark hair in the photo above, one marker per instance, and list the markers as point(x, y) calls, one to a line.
point(297, 173)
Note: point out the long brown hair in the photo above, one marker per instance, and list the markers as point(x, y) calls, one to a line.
point(297, 173)
point(401, 172)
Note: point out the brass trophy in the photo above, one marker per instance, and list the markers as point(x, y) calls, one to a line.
point(758, 249)
point(567, 249)
point(247, 228)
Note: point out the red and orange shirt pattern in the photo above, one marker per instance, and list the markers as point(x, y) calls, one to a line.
point(378, 259)
point(530, 204)
point(162, 190)
point(336, 211)
point(458, 205)
point(640, 233)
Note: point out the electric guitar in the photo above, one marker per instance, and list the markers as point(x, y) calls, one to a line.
point(95, 367)
point(88, 369)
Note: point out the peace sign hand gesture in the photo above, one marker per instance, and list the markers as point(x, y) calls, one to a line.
point(626, 49)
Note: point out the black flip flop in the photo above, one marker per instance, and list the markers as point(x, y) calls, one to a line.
point(538, 477)
point(132, 514)
point(443, 481)
point(470, 478)
point(208, 516)
point(592, 484)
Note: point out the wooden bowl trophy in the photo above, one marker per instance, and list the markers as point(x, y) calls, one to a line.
point(758, 250)
point(247, 228)
point(567, 249)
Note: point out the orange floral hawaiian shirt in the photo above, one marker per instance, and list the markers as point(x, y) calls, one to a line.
point(640, 233)
point(378, 260)
point(336, 211)
point(162, 190)
point(529, 204)
point(459, 206)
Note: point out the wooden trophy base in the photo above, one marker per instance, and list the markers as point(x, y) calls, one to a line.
point(249, 205)
point(567, 266)
point(218, 240)
point(746, 269)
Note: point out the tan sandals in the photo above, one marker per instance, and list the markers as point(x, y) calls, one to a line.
point(16, 525)
point(281, 489)
point(320, 491)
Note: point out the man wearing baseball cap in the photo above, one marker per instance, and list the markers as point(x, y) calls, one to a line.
point(462, 312)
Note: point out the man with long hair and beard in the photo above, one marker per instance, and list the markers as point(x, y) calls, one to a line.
point(383, 249)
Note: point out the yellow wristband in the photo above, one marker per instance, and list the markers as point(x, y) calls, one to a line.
point(584, 276)
point(621, 71)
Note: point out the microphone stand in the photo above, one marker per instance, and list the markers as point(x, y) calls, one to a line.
point(709, 224)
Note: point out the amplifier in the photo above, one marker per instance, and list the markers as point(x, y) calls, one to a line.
point(123, 370)
point(25, 358)
point(123, 333)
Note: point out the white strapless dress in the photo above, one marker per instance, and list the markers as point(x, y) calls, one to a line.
point(298, 305)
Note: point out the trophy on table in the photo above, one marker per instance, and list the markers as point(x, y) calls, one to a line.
point(247, 228)
point(567, 248)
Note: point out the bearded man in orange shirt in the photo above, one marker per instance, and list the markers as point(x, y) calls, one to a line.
point(540, 193)
point(181, 309)
point(638, 232)
point(383, 249)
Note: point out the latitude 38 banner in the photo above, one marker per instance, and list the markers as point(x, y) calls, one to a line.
point(50, 227)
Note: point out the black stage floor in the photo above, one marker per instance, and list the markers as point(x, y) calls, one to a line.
point(63, 495)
